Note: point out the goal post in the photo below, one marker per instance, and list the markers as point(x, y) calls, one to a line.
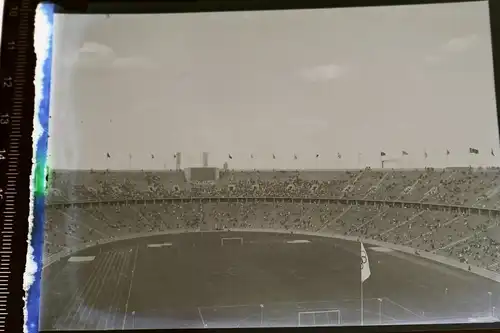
point(235, 240)
point(319, 318)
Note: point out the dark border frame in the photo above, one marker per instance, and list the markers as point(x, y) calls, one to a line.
point(10, 30)
point(343, 329)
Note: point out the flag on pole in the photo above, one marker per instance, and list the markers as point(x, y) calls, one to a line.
point(382, 153)
point(230, 157)
point(473, 151)
point(317, 155)
point(405, 153)
point(447, 152)
point(107, 155)
point(492, 152)
point(251, 155)
point(425, 154)
point(365, 265)
point(152, 156)
point(274, 157)
point(339, 155)
point(295, 156)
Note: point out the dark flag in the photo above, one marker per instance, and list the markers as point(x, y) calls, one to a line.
point(404, 153)
point(492, 152)
point(152, 156)
point(383, 153)
point(251, 155)
point(230, 157)
point(339, 155)
point(473, 151)
point(317, 155)
point(107, 155)
point(274, 157)
point(447, 152)
point(175, 155)
point(295, 156)
point(425, 154)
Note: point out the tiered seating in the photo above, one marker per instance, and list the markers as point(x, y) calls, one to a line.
point(421, 224)
point(479, 250)
point(368, 184)
point(461, 236)
point(396, 184)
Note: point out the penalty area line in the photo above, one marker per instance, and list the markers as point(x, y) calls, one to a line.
point(201, 317)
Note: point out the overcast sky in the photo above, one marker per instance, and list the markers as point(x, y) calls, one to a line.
point(356, 81)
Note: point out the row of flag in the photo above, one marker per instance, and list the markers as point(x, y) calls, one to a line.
point(108, 155)
point(473, 151)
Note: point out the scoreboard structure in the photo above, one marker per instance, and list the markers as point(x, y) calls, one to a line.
point(202, 174)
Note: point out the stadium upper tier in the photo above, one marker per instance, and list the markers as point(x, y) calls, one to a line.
point(106, 207)
point(468, 187)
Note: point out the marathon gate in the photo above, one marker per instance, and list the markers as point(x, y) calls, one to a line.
point(202, 174)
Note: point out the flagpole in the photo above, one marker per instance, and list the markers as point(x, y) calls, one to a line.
point(365, 274)
point(362, 308)
point(361, 276)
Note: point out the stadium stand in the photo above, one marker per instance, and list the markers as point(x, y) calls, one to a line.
point(444, 211)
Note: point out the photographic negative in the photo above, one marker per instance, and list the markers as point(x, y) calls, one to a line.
point(221, 169)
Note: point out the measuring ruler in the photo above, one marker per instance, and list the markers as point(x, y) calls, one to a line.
point(16, 125)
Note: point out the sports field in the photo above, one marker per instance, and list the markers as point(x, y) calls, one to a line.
point(195, 280)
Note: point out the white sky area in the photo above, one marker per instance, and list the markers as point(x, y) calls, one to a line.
point(352, 80)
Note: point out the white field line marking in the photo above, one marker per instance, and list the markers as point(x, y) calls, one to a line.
point(406, 309)
point(116, 302)
point(96, 298)
point(130, 288)
point(116, 279)
point(87, 293)
point(79, 293)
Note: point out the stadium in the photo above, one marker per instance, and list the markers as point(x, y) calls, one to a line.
point(207, 247)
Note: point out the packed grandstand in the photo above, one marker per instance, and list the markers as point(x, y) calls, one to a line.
point(449, 212)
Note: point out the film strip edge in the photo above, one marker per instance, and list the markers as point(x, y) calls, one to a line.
point(14, 62)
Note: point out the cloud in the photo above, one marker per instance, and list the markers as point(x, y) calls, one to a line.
point(323, 73)
point(460, 44)
point(95, 55)
point(453, 46)
point(96, 49)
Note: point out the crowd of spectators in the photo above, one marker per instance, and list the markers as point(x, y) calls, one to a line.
point(115, 213)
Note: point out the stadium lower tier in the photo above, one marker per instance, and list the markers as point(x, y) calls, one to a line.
point(462, 237)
